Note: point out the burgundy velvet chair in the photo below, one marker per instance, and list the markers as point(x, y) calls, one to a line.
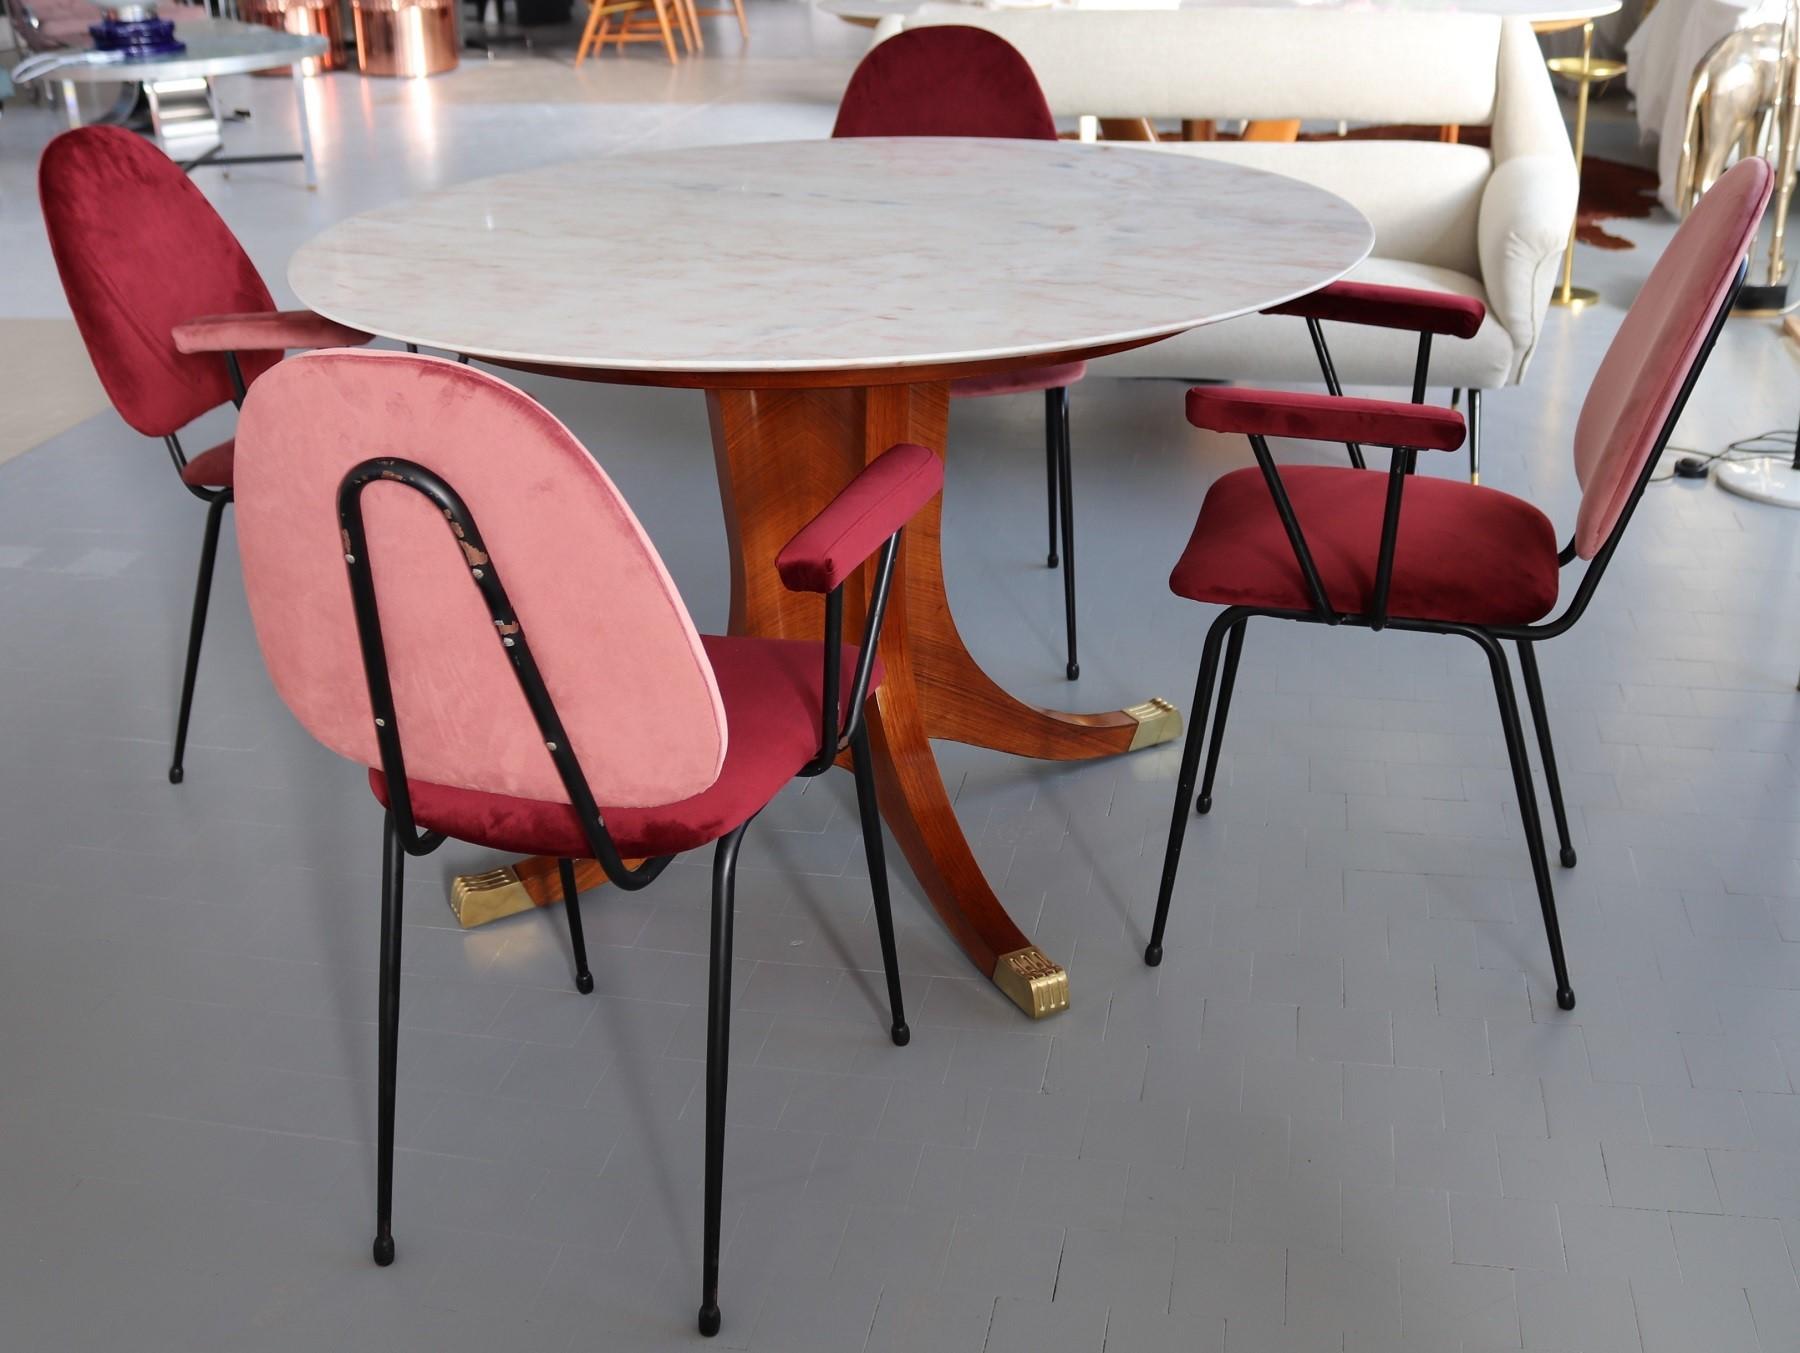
point(175, 316)
point(496, 639)
point(1328, 545)
point(952, 80)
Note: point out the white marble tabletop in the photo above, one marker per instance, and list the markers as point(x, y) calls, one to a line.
point(853, 255)
point(1545, 12)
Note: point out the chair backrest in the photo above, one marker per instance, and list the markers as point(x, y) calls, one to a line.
point(140, 250)
point(950, 80)
point(611, 637)
point(1660, 344)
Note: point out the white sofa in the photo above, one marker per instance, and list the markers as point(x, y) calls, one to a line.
point(1490, 223)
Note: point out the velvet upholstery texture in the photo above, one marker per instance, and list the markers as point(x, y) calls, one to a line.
point(853, 525)
point(955, 81)
point(1388, 307)
point(265, 331)
point(1465, 553)
point(773, 692)
point(1657, 344)
point(1021, 381)
point(945, 81)
point(213, 468)
point(140, 250)
point(617, 650)
point(1326, 418)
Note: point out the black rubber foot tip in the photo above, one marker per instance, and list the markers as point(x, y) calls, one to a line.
point(709, 1320)
point(1565, 999)
point(384, 1250)
point(1203, 804)
point(1153, 955)
point(176, 775)
point(1073, 671)
point(1568, 859)
point(584, 983)
point(902, 1034)
point(1051, 561)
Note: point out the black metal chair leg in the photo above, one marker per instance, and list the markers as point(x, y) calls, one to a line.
point(1528, 810)
point(875, 851)
point(584, 980)
point(1534, 693)
point(393, 877)
point(718, 1058)
point(1234, 648)
point(1051, 462)
point(1065, 476)
point(1328, 370)
point(1184, 783)
point(1474, 436)
point(209, 552)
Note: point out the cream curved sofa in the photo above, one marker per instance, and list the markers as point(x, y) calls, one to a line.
point(1486, 222)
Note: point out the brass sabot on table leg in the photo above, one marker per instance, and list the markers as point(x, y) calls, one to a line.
point(1157, 721)
point(479, 898)
point(1034, 983)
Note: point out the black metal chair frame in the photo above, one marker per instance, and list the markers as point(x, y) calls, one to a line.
point(1059, 476)
point(1229, 628)
point(1421, 366)
point(842, 730)
point(216, 500)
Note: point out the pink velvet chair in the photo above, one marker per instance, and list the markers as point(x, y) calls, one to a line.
point(496, 639)
point(175, 316)
point(957, 81)
point(1332, 546)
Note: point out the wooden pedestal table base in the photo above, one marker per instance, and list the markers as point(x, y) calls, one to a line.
point(782, 454)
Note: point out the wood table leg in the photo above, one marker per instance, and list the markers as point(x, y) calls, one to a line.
point(782, 454)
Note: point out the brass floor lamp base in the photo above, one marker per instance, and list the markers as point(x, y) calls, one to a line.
point(1574, 299)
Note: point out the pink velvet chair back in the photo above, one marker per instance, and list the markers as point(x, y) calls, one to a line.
point(945, 81)
point(610, 634)
point(140, 250)
point(1658, 343)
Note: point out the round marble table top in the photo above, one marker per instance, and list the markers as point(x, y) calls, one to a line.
point(1549, 13)
point(854, 255)
point(214, 47)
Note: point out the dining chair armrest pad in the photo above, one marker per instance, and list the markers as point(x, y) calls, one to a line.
point(1324, 418)
point(1429, 312)
point(853, 525)
point(265, 331)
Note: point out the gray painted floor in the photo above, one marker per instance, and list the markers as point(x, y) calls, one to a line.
point(1345, 1114)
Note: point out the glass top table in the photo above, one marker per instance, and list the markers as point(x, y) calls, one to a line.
point(214, 47)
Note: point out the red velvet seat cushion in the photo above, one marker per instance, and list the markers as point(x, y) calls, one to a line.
point(1465, 553)
point(772, 691)
point(1019, 381)
point(213, 467)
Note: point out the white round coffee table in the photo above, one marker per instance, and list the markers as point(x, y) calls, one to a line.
point(824, 293)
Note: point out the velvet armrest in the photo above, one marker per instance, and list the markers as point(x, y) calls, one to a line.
point(1324, 418)
point(853, 525)
point(264, 331)
point(1428, 312)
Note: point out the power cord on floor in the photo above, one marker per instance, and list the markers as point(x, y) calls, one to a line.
point(1694, 464)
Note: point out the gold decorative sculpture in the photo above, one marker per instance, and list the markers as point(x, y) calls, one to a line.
point(1744, 98)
